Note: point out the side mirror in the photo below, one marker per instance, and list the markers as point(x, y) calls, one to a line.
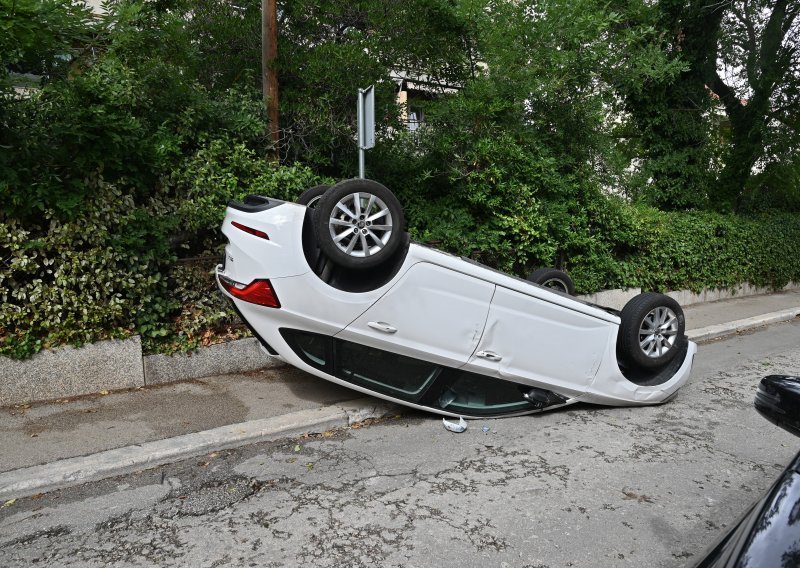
point(778, 400)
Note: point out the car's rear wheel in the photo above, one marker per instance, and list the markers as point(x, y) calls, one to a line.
point(312, 196)
point(651, 331)
point(359, 224)
point(554, 279)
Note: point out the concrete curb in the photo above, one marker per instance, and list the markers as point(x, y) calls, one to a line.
point(74, 471)
point(734, 327)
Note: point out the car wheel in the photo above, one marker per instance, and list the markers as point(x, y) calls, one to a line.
point(311, 197)
point(359, 223)
point(553, 278)
point(651, 332)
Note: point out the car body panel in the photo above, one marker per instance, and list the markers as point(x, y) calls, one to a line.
point(431, 312)
point(544, 342)
point(768, 534)
point(607, 388)
point(420, 253)
point(248, 257)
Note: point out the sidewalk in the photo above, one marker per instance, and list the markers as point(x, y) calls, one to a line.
point(50, 445)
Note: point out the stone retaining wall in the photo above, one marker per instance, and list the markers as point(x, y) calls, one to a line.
point(71, 371)
point(119, 364)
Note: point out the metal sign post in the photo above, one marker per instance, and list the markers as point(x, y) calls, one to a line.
point(366, 124)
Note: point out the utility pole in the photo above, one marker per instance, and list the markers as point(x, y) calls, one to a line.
point(269, 76)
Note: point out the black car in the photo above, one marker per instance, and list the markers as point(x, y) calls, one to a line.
point(768, 535)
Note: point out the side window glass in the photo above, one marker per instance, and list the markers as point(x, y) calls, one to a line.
point(312, 348)
point(468, 393)
point(389, 373)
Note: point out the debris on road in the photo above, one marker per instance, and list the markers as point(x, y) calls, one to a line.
point(453, 427)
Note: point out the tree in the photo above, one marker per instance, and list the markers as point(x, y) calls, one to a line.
point(742, 55)
point(760, 49)
point(41, 36)
point(330, 48)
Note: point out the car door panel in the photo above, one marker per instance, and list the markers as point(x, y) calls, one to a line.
point(432, 313)
point(528, 338)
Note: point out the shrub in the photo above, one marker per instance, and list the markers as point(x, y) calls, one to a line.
point(83, 280)
point(112, 270)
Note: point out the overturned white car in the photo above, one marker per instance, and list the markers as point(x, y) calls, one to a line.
point(333, 286)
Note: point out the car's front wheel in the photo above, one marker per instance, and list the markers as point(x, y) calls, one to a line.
point(651, 332)
point(359, 224)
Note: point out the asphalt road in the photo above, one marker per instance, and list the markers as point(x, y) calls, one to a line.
point(585, 486)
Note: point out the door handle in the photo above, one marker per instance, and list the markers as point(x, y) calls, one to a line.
point(489, 355)
point(382, 326)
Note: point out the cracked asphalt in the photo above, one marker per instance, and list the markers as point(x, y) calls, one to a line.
point(584, 486)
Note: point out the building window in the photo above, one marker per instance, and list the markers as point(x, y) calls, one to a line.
point(416, 116)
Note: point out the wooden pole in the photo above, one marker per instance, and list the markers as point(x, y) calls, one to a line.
point(269, 76)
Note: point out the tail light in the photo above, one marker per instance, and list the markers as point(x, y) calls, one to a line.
point(250, 230)
point(258, 292)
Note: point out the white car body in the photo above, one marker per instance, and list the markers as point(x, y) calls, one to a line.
point(439, 309)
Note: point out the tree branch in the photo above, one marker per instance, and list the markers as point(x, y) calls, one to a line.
point(787, 120)
point(733, 105)
point(743, 17)
point(772, 37)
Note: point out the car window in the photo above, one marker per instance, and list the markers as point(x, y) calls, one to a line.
point(312, 348)
point(381, 371)
point(389, 373)
point(469, 393)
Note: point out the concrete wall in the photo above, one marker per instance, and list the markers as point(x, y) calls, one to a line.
point(119, 364)
point(618, 298)
point(231, 357)
point(69, 371)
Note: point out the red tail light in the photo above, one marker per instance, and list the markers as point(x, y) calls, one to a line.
point(250, 230)
point(258, 292)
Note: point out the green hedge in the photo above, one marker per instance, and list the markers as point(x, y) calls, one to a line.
point(697, 250)
point(118, 268)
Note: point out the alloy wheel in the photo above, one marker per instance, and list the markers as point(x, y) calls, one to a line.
point(360, 224)
point(658, 332)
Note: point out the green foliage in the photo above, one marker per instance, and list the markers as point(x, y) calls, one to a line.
point(709, 250)
point(110, 271)
point(776, 188)
point(328, 49)
point(110, 173)
point(224, 169)
point(739, 64)
point(204, 317)
point(83, 280)
point(38, 36)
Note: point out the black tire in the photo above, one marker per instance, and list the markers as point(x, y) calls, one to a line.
point(312, 196)
point(359, 239)
point(553, 278)
point(647, 312)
